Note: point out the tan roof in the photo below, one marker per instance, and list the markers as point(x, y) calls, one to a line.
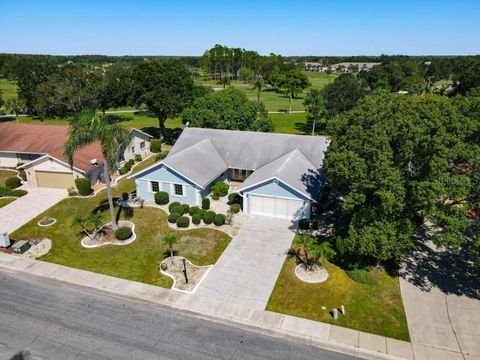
point(46, 139)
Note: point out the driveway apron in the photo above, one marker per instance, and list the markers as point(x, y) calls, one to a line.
point(24, 209)
point(246, 272)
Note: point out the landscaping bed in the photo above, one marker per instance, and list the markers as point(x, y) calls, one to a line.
point(174, 268)
point(107, 236)
point(375, 309)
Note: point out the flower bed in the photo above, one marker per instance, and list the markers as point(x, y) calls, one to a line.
point(106, 236)
point(314, 276)
point(47, 221)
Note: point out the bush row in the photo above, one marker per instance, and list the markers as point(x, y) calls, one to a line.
point(84, 186)
point(5, 191)
point(126, 167)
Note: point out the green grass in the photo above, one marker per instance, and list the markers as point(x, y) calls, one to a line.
point(5, 202)
point(5, 174)
point(375, 309)
point(8, 88)
point(138, 261)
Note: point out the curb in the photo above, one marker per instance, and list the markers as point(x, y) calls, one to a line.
point(299, 330)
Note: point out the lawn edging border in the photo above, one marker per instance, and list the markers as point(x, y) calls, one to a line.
point(120, 243)
point(175, 281)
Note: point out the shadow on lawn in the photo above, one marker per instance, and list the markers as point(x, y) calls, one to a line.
point(451, 272)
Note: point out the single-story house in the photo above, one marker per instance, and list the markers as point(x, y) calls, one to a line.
point(39, 150)
point(280, 175)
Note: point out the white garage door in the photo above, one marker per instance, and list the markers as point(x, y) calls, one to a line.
point(274, 207)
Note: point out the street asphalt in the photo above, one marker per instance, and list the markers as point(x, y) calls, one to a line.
point(46, 319)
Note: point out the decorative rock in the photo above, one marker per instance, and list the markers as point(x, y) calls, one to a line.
point(335, 314)
point(342, 309)
point(314, 276)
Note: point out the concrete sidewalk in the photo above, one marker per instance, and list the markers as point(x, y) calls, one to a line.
point(313, 333)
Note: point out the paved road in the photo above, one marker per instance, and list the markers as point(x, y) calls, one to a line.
point(246, 272)
point(24, 209)
point(54, 320)
point(441, 295)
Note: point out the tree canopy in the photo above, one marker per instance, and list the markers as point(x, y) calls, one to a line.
point(342, 94)
point(398, 162)
point(228, 109)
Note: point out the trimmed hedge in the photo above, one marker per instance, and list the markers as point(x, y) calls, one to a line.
point(193, 210)
point(5, 191)
point(126, 167)
point(161, 155)
point(161, 198)
point(84, 186)
point(173, 217)
point(179, 209)
point(235, 208)
point(137, 157)
point(123, 233)
point(186, 208)
point(13, 182)
point(172, 205)
point(205, 203)
point(196, 218)
point(155, 145)
point(219, 219)
point(220, 189)
point(361, 276)
point(183, 222)
point(209, 217)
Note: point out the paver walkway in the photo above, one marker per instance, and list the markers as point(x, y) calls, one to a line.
point(441, 295)
point(24, 209)
point(247, 271)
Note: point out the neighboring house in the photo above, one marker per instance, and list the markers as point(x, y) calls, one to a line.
point(280, 174)
point(40, 148)
point(140, 144)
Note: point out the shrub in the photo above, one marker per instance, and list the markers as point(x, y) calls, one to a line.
point(361, 276)
point(155, 145)
point(19, 164)
point(235, 208)
point(125, 196)
point(193, 210)
point(179, 209)
point(161, 198)
point(205, 203)
point(23, 175)
point(161, 155)
point(186, 208)
point(196, 218)
point(126, 167)
point(231, 197)
point(183, 222)
point(172, 218)
point(219, 219)
point(123, 233)
point(172, 205)
point(314, 224)
point(220, 189)
point(304, 224)
point(13, 182)
point(71, 191)
point(137, 157)
point(208, 217)
point(5, 191)
point(83, 186)
point(215, 197)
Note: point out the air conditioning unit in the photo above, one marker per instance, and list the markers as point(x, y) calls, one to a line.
point(94, 162)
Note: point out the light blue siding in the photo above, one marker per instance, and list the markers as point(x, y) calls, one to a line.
point(166, 177)
point(276, 190)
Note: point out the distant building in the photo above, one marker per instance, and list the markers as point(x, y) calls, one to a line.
point(340, 67)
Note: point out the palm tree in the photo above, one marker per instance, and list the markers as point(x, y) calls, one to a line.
point(305, 242)
point(14, 105)
point(320, 251)
point(82, 223)
point(315, 107)
point(96, 220)
point(258, 85)
point(88, 128)
point(170, 240)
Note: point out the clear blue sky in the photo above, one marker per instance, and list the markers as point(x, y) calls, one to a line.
point(295, 27)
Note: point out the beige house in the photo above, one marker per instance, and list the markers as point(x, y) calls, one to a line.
point(39, 151)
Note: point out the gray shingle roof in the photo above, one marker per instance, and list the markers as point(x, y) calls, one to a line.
point(200, 162)
point(251, 150)
point(293, 169)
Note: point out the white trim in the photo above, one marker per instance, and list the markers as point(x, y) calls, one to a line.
point(280, 180)
point(150, 187)
point(23, 152)
point(173, 192)
point(141, 132)
point(83, 172)
point(278, 197)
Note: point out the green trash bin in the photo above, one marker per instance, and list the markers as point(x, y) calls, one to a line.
point(20, 246)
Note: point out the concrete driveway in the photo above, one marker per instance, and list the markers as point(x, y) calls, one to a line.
point(441, 295)
point(24, 209)
point(247, 271)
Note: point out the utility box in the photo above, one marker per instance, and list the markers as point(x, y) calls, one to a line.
point(4, 239)
point(21, 246)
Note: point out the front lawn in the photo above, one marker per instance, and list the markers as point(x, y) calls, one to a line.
point(5, 174)
point(375, 309)
point(5, 202)
point(137, 261)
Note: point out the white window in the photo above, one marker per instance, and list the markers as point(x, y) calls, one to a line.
point(133, 149)
point(142, 145)
point(178, 188)
point(155, 186)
